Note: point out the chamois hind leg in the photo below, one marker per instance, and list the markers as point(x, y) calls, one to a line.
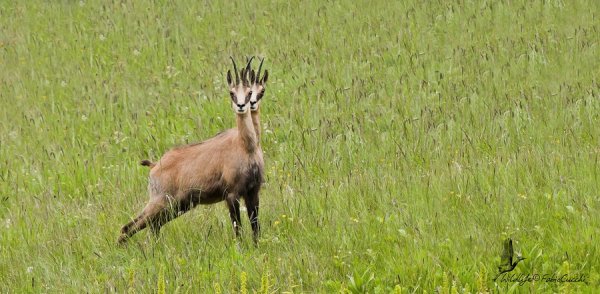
point(146, 217)
point(127, 226)
point(252, 202)
point(164, 216)
point(233, 203)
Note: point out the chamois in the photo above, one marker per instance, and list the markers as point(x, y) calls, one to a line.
point(226, 167)
point(258, 90)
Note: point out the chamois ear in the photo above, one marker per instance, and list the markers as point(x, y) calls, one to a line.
point(252, 77)
point(229, 77)
point(265, 77)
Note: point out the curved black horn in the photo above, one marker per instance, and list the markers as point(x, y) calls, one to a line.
point(249, 62)
point(237, 76)
point(259, 67)
point(246, 70)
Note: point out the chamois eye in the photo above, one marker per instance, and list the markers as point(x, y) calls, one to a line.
point(250, 94)
point(261, 94)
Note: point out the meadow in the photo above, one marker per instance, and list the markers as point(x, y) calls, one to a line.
point(404, 142)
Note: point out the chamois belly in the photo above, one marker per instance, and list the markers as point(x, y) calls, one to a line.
point(196, 197)
point(212, 197)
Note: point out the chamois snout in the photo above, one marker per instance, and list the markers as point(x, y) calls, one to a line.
point(253, 105)
point(241, 108)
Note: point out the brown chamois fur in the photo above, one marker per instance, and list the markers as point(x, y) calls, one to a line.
point(226, 167)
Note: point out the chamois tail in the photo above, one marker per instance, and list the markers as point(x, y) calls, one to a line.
point(148, 163)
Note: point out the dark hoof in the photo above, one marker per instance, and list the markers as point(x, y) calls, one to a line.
point(122, 240)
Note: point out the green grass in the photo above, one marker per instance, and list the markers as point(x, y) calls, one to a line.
point(403, 143)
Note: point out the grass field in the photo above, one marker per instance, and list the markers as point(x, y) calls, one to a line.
point(404, 142)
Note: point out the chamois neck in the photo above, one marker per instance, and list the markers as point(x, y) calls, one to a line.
point(246, 132)
point(256, 123)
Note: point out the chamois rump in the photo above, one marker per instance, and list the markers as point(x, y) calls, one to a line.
point(227, 167)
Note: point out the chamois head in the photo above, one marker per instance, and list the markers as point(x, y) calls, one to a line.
point(240, 90)
point(257, 86)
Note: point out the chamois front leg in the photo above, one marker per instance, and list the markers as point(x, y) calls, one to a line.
point(252, 203)
point(233, 203)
